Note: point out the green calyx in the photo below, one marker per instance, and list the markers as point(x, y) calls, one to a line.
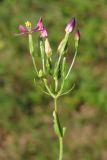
point(63, 44)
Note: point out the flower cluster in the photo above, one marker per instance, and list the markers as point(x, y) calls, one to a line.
point(55, 68)
point(43, 33)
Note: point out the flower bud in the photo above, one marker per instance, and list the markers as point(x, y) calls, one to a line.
point(48, 50)
point(70, 26)
point(77, 35)
point(77, 38)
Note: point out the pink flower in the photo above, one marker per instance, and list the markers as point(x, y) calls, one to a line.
point(26, 30)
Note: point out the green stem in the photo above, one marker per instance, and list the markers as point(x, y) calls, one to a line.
point(48, 89)
point(56, 84)
point(55, 104)
point(31, 48)
point(60, 148)
point(71, 64)
point(60, 137)
point(34, 64)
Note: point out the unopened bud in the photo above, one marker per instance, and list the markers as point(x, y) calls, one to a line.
point(70, 26)
point(77, 38)
point(77, 35)
point(48, 50)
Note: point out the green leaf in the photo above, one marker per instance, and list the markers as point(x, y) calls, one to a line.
point(57, 126)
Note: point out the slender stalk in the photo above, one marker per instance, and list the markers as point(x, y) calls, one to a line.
point(59, 137)
point(31, 49)
point(34, 64)
point(60, 148)
point(59, 59)
point(55, 104)
point(56, 84)
point(71, 64)
point(48, 89)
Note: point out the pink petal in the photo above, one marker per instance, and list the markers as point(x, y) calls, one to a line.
point(22, 29)
point(39, 24)
point(43, 33)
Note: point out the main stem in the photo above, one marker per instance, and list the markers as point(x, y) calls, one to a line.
point(61, 148)
point(55, 104)
point(60, 137)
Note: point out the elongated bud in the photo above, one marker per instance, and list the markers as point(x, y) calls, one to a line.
point(77, 38)
point(70, 26)
point(77, 35)
point(48, 50)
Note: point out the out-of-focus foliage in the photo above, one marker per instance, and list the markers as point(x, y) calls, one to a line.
point(22, 123)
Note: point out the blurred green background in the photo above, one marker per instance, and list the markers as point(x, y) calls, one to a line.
point(26, 131)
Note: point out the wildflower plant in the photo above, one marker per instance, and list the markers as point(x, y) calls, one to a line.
point(53, 74)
